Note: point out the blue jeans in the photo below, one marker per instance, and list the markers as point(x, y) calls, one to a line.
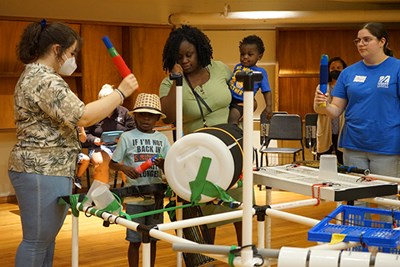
point(41, 215)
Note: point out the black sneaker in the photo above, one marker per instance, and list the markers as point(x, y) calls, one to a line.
point(78, 182)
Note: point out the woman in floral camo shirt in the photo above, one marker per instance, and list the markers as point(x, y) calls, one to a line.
point(47, 113)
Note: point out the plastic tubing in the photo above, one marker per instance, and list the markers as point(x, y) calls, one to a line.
point(323, 76)
point(145, 165)
point(116, 58)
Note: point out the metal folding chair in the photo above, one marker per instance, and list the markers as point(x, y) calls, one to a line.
point(283, 127)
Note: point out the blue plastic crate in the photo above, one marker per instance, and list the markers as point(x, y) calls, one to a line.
point(373, 227)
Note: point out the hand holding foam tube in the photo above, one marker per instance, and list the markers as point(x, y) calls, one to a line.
point(323, 76)
point(145, 165)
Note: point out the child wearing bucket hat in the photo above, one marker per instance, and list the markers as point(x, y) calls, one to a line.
point(134, 148)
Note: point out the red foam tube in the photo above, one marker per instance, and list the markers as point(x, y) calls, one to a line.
point(121, 66)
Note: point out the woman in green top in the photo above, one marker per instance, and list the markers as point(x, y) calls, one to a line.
point(206, 96)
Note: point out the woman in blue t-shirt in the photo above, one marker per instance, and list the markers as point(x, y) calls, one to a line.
point(368, 93)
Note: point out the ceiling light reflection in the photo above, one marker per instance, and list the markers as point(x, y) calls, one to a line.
point(262, 14)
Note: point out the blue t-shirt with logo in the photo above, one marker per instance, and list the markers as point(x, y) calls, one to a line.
point(372, 115)
point(236, 87)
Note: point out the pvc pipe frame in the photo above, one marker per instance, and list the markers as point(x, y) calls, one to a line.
point(391, 259)
point(275, 253)
point(75, 242)
point(157, 232)
point(247, 258)
point(247, 229)
point(338, 246)
point(178, 135)
point(382, 201)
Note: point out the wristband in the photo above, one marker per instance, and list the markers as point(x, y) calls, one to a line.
point(120, 94)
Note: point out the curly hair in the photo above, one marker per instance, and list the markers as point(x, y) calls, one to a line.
point(253, 39)
point(194, 36)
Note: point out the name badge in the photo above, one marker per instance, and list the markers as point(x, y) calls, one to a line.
point(359, 79)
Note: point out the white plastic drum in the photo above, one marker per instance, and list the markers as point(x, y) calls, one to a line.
point(293, 257)
point(326, 258)
point(355, 259)
point(183, 160)
point(387, 260)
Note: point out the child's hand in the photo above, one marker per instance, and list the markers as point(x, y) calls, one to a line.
point(177, 69)
point(159, 162)
point(130, 172)
point(97, 141)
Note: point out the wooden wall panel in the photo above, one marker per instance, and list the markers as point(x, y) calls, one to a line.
point(299, 52)
point(296, 95)
point(10, 35)
point(97, 65)
point(10, 69)
point(7, 102)
point(147, 48)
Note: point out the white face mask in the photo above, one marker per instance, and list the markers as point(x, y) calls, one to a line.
point(68, 67)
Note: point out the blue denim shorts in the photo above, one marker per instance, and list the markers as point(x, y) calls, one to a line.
point(133, 236)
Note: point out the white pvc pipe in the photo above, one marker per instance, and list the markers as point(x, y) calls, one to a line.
point(178, 135)
point(201, 220)
point(153, 232)
point(238, 261)
point(75, 241)
point(384, 178)
point(261, 234)
point(338, 246)
point(179, 233)
point(179, 113)
point(382, 201)
point(292, 256)
point(146, 255)
point(295, 204)
point(229, 215)
point(247, 253)
point(292, 217)
point(268, 222)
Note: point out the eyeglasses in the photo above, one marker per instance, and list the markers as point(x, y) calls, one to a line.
point(364, 40)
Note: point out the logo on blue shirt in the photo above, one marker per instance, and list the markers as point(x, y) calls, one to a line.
point(384, 81)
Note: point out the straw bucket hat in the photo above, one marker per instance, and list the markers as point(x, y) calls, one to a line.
point(148, 103)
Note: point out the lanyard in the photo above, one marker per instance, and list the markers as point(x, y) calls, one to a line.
point(198, 100)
